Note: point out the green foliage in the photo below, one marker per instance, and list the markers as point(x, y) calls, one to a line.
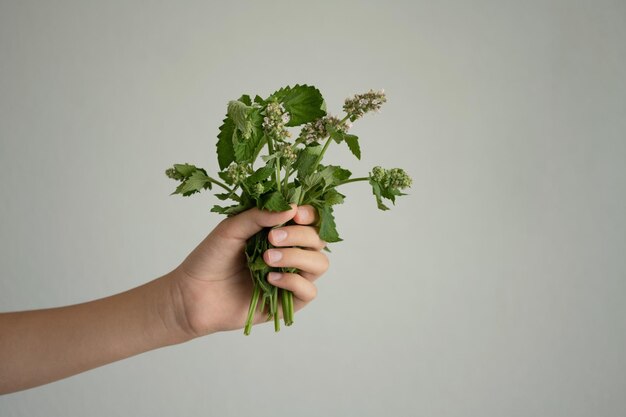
point(225, 148)
point(290, 173)
point(197, 181)
point(304, 103)
point(327, 227)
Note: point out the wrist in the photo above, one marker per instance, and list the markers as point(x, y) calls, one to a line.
point(171, 309)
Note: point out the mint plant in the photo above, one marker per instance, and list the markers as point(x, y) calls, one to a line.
point(291, 171)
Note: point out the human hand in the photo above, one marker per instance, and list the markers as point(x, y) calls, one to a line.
point(214, 285)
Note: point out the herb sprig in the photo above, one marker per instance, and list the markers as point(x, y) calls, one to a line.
point(290, 172)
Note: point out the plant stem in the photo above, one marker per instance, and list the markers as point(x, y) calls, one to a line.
point(353, 180)
point(321, 155)
point(276, 318)
point(221, 184)
point(253, 302)
point(290, 309)
point(287, 174)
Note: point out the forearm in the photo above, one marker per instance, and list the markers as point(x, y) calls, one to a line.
point(41, 346)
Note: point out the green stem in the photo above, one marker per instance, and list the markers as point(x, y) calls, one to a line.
point(270, 148)
point(275, 302)
point(353, 180)
point(286, 179)
point(285, 305)
point(290, 309)
point(253, 302)
point(221, 184)
point(321, 155)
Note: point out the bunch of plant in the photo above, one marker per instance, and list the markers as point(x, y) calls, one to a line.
point(262, 164)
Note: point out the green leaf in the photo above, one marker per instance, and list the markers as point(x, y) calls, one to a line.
point(261, 173)
point(230, 210)
point(326, 224)
point(185, 169)
point(245, 99)
point(274, 201)
point(353, 143)
point(377, 191)
point(224, 176)
point(227, 196)
point(246, 149)
point(337, 135)
point(295, 194)
point(306, 160)
point(196, 182)
point(333, 174)
point(333, 197)
point(303, 102)
point(314, 179)
point(225, 149)
point(240, 114)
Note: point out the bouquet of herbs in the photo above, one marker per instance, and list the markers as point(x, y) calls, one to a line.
point(289, 171)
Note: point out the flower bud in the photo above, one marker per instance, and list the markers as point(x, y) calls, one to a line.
point(238, 172)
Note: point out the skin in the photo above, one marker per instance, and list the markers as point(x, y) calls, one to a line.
point(208, 292)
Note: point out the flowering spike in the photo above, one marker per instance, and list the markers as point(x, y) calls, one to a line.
point(355, 107)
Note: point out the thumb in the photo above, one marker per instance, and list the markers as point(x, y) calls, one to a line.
point(248, 223)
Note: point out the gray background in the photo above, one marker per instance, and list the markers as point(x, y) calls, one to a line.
point(496, 288)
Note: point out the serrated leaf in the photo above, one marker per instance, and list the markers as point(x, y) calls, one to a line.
point(337, 135)
point(230, 210)
point(246, 149)
point(306, 160)
point(225, 177)
point(303, 102)
point(185, 169)
point(377, 191)
point(327, 227)
point(313, 180)
point(245, 99)
point(225, 149)
point(333, 197)
point(240, 114)
point(261, 173)
point(274, 201)
point(294, 194)
point(227, 196)
point(353, 144)
point(196, 182)
point(333, 174)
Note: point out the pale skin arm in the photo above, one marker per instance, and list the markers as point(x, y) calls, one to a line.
point(207, 293)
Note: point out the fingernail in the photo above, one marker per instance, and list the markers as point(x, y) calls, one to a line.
point(274, 276)
point(274, 255)
point(279, 235)
point(303, 213)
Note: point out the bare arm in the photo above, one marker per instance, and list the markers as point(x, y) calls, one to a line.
point(40, 346)
point(208, 292)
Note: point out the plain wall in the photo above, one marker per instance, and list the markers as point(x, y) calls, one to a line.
point(496, 288)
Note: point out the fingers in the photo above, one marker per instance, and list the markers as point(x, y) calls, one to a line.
point(304, 236)
point(246, 224)
point(302, 288)
point(305, 215)
point(311, 262)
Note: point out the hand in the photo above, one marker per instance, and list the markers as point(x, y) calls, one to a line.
point(214, 284)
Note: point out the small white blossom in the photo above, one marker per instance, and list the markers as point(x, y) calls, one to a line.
point(360, 104)
point(275, 120)
point(316, 131)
